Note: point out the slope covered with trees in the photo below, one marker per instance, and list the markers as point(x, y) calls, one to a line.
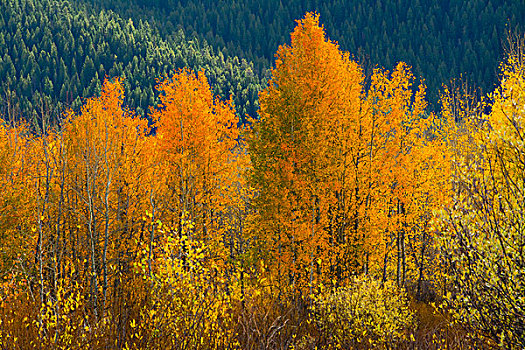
point(440, 39)
point(345, 216)
point(55, 53)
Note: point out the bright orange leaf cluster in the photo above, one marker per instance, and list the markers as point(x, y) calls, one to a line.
point(89, 194)
point(347, 176)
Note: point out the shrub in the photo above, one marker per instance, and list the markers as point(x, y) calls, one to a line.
point(363, 314)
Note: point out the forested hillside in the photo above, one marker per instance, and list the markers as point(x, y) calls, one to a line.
point(54, 53)
point(440, 39)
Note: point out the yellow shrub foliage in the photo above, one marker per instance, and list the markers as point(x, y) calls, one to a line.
point(363, 313)
point(190, 300)
point(482, 231)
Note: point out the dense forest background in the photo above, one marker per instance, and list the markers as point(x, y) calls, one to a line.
point(440, 39)
point(56, 52)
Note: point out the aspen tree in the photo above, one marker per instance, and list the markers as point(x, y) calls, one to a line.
point(482, 242)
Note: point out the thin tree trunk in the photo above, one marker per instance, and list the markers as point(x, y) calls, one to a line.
point(312, 251)
point(151, 237)
point(421, 267)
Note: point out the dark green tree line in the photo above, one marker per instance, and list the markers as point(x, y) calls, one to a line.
point(441, 40)
point(54, 53)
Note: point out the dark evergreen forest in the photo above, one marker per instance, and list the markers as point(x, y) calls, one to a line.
point(441, 40)
point(55, 53)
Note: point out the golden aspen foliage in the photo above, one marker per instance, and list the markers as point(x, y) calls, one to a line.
point(483, 235)
point(101, 150)
point(14, 202)
point(87, 189)
point(189, 303)
point(82, 209)
point(329, 222)
point(197, 144)
point(346, 177)
point(409, 172)
point(295, 148)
